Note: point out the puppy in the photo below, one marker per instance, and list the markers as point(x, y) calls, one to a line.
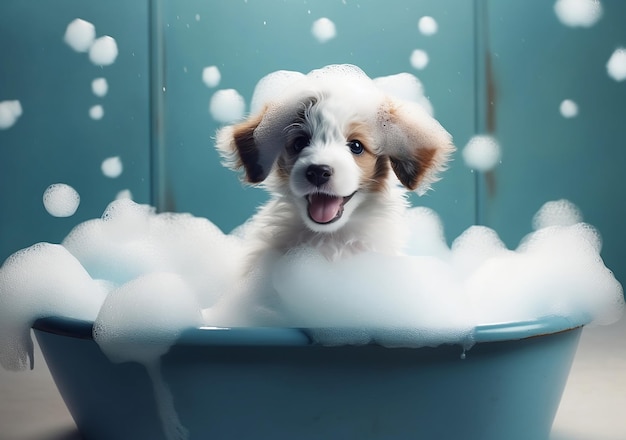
point(338, 155)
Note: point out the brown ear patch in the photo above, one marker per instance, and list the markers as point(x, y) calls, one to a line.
point(417, 145)
point(248, 153)
point(411, 170)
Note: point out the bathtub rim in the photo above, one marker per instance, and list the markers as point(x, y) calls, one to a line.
point(287, 336)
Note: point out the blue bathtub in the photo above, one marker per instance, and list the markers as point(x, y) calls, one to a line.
point(264, 383)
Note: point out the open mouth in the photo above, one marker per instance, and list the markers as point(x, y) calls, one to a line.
point(326, 208)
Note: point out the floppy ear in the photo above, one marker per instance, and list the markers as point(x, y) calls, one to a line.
point(256, 143)
point(238, 148)
point(416, 144)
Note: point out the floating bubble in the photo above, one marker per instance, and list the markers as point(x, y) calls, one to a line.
point(103, 51)
point(482, 153)
point(80, 35)
point(100, 87)
point(112, 167)
point(211, 76)
point(96, 112)
point(427, 25)
point(568, 108)
point(557, 213)
point(61, 200)
point(10, 111)
point(324, 30)
point(578, 13)
point(227, 106)
point(419, 59)
point(616, 66)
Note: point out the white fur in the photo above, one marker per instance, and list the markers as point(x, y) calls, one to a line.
point(326, 111)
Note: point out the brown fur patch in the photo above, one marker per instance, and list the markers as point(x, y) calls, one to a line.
point(243, 137)
point(411, 169)
point(375, 168)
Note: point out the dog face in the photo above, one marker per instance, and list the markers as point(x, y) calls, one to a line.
point(329, 164)
point(329, 148)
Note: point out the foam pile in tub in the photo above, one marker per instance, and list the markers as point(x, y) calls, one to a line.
point(143, 276)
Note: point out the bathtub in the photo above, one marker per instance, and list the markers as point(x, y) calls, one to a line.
point(274, 383)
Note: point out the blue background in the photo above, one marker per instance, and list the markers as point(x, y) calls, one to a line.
point(499, 67)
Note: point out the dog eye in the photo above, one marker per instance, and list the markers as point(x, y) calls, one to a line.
point(356, 147)
point(300, 143)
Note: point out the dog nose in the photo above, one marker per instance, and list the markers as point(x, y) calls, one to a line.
point(318, 174)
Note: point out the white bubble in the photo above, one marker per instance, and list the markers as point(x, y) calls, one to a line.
point(10, 111)
point(141, 319)
point(323, 30)
point(103, 51)
point(419, 59)
point(482, 153)
point(112, 167)
point(211, 76)
point(557, 213)
point(61, 200)
point(427, 25)
point(385, 301)
point(80, 35)
point(100, 87)
point(616, 66)
point(96, 112)
point(42, 280)
point(131, 240)
point(578, 13)
point(227, 106)
point(568, 108)
point(427, 235)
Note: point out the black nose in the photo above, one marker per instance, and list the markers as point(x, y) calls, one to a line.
point(318, 174)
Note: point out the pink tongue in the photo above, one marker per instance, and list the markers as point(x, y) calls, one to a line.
point(324, 208)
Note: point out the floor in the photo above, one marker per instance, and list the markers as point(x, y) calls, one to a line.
point(593, 405)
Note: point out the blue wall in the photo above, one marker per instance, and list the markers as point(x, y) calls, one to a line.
point(498, 67)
